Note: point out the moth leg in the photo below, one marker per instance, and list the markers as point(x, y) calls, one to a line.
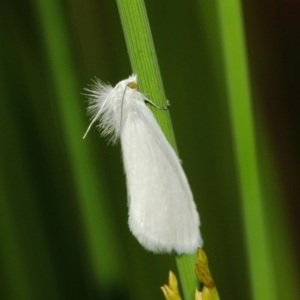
point(157, 106)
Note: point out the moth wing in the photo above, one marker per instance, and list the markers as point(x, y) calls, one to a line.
point(162, 212)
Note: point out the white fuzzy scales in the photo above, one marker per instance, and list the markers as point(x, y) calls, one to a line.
point(162, 213)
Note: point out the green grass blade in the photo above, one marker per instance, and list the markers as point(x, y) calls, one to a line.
point(99, 228)
point(144, 62)
point(143, 58)
point(27, 264)
point(238, 85)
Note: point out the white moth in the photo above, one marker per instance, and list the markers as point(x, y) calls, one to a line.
point(162, 213)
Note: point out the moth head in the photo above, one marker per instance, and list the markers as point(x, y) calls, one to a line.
point(132, 85)
point(132, 81)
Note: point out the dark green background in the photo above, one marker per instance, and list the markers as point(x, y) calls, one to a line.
point(47, 250)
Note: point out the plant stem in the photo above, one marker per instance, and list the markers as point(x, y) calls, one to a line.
point(91, 191)
point(144, 62)
point(236, 72)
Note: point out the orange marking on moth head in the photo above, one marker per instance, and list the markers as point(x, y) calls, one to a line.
point(132, 85)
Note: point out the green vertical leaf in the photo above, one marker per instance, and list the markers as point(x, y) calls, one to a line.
point(239, 94)
point(144, 62)
point(90, 188)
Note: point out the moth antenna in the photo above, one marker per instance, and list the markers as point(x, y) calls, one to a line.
point(122, 102)
point(93, 121)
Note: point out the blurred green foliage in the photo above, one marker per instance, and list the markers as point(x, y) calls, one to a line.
point(63, 212)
